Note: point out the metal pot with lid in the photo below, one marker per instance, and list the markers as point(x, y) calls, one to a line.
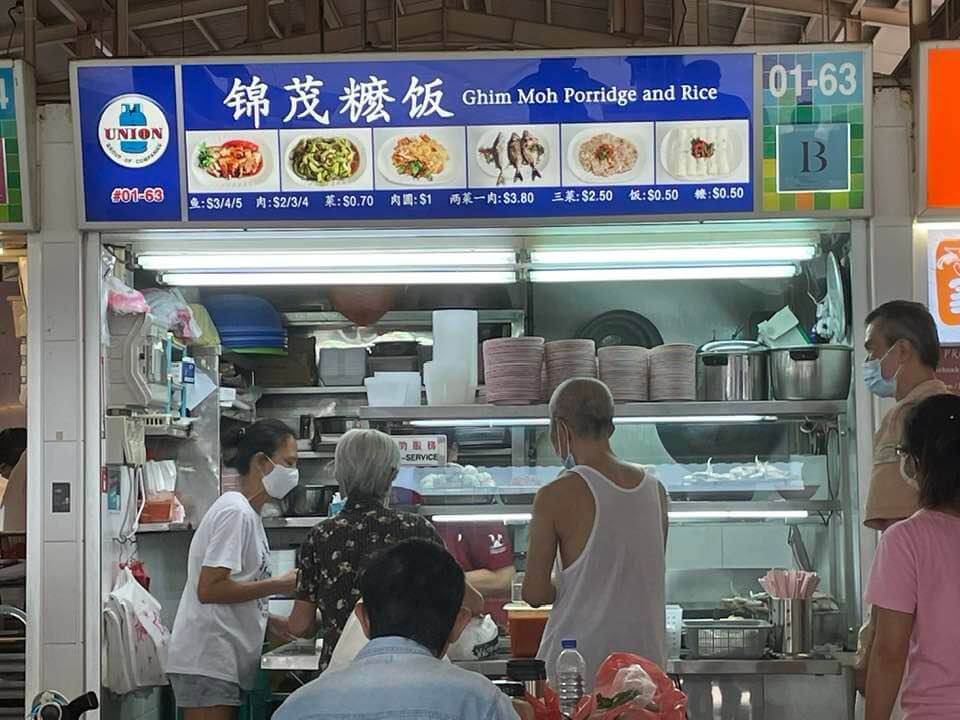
point(732, 370)
point(811, 372)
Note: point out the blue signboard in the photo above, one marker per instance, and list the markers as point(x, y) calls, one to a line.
point(358, 140)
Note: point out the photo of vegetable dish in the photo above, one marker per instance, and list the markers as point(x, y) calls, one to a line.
point(420, 157)
point(232, 160)
point(325, 160)
point(522, 150)
point(606, 154)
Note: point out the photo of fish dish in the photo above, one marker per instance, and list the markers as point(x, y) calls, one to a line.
point(231, 160)
point(522, 152)
point(606, 154)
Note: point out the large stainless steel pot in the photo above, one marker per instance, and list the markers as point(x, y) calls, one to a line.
point(811, 372)
point(308, 501)
point(732, 370)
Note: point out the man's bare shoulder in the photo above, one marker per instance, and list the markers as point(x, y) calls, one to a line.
point(566, 485)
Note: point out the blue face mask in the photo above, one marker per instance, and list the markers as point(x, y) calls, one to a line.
point(875, 381)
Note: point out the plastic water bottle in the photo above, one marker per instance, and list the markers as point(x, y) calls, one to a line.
point(571, 668)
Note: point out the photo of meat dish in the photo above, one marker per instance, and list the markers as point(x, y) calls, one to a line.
point(233, 159)
point(521, 152)
point(605, 155)
point(420, 157)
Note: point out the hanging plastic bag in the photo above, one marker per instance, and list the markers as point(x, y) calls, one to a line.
point(173, 312)
point(123, 299)
point(630, 687)
point(136, 639)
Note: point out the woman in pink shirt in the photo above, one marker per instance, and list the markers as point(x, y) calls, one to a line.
point(915, 582)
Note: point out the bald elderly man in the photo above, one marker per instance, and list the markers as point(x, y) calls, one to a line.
point(606, 522)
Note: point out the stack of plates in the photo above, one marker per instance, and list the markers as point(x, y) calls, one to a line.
point(626, 370)
point(566, 359)
point(247, 323)
point(673, 372)
point(512, 368)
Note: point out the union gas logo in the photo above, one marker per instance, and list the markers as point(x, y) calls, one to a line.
point(133, 131)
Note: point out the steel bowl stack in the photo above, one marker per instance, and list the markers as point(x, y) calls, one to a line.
point(512, 368)
point(625, 369)
point(567, 359)
point(673, 372)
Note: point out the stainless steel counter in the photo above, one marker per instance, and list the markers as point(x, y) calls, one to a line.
point(300, 655)
point(497, 666)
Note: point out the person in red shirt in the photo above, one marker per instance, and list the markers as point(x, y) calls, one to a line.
point(484, 552)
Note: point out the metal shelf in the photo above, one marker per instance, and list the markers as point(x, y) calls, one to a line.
point(148, 528)
point(813, 507)
point(403, 319)
point(286, 523)
point(311, 455)
point(314, 390)
point(773, 409)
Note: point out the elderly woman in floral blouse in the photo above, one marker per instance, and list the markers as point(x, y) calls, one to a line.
point(365, 465)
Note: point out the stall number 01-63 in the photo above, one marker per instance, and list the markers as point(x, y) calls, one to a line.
point(830, 80)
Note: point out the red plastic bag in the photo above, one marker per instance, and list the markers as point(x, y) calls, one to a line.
point(668, 703)
point(548, 708)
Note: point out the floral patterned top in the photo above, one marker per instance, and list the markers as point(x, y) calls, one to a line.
point(334, 553)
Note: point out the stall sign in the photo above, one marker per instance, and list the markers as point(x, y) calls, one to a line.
point(938, 107)
point(815, 122)
point(422, 450)
point(943, 280)
point(486, 138)
point(16, 132)
point(948, 371)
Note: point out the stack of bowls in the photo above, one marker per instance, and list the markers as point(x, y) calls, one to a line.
point(512, 368)
point(673, 372)
point(567, 359)
point(248, 324)
point(625, 369)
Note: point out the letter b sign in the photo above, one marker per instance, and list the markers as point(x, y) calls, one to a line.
point(813, 158)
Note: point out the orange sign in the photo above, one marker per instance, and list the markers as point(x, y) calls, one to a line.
point(942, 117)
point(947, 258)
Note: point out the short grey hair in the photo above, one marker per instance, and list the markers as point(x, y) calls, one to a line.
point(365, 463)
point(586, 406)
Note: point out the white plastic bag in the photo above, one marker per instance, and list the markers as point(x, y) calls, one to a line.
point(478, 640)
point(135, 637)
point(173, 312)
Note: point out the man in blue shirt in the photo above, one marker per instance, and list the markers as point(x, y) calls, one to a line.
point(411, 609)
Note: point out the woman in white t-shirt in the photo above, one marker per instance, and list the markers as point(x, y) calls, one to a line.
point(222, 619)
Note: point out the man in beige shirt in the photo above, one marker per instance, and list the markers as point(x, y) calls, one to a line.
point(902, 356)
point(903, 352)
point(13, 467)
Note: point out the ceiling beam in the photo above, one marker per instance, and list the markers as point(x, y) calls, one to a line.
point(70, 13)
point(207, 35)
point(332, 14)
point(814, 8)
point(740, 36)
point(272, 24)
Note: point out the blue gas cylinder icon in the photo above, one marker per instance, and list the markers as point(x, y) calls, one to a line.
point(131, 118)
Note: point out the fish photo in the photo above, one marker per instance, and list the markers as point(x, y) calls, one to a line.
point(519, 155)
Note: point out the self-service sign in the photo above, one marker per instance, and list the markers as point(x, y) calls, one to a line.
point(422, 450)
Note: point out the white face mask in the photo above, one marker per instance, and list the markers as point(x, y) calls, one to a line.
point(281, 480)
point(568, 460)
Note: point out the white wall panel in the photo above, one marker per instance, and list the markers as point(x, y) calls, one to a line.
point(61, 463)
point(62, 412)
point(61, 280)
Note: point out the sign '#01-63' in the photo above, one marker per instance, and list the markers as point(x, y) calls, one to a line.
point(399, 138)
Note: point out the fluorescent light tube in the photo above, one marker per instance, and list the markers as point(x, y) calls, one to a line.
point(704, 254)
point(738, 514)
point(638, 420)
point(484, 518)
point(246, 279)
point(324, 261)
point(692, 272)
point(674, 515)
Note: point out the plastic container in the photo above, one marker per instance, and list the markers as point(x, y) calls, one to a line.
point(526, 626)
point(571, 667)
point(448, 384)
point(674, 633)
point(409, 381)
point(19, 309)
point(455, 340)
point(343, 366)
